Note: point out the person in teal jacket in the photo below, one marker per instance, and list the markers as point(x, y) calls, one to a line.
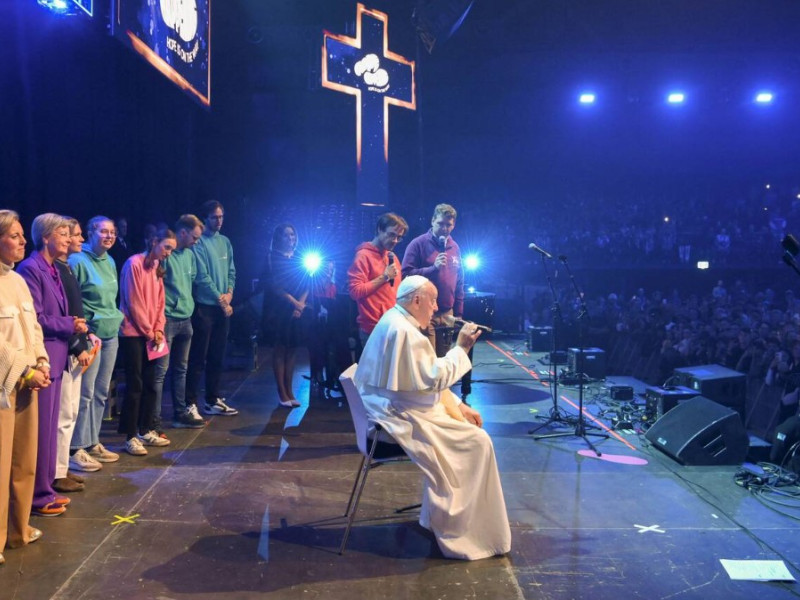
point(213, 296)
point(179, 276)
point(97, 276)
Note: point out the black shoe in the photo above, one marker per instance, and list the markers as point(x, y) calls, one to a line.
point(189, 419)
point(66, 485)
point(75, 477)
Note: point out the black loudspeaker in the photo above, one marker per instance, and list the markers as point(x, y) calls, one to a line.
point(590, 361)
point(718, 383)
point(659, 401)
point(540, 339)
point(701, 432)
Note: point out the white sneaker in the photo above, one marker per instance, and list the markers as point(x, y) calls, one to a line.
point(151, 438)
point(134, 446)
point(101, 454)
point(191, 410)
point(218, 407)
point(81, 461)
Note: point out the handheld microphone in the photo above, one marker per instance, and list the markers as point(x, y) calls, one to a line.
point(452, 321)
point(544, 253)
point(443, 242)
point(390, 254)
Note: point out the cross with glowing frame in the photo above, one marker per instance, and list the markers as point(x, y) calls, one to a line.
point(340, 55)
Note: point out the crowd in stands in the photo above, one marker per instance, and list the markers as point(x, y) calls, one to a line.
point(672, 230)
point(755, 332)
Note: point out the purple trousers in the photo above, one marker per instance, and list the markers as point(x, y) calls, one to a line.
point(47, 447)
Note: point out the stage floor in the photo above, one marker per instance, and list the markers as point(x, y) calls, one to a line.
point(247, 507)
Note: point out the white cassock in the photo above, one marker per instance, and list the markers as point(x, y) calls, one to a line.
point(400, 380)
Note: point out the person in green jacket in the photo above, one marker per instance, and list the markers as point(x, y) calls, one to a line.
point(97, 276)
point(179, 276)
point(213, 296)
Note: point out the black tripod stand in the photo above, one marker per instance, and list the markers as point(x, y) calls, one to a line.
point(581, 427)
point(557, 414)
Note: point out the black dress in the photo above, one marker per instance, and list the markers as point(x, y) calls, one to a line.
point(284, 275)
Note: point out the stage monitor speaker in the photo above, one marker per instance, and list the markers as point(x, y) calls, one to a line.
point(659, 401)
point(716, 382)
point(590, 361)
point(540, 339)
point(701, 432)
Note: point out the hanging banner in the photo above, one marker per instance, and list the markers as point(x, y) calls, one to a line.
point(172, 35)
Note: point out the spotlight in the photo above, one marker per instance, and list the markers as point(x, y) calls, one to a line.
point(472, 262)
point(763, 98)
point(312, 261)
point(59, 7)
point(702, 265)
point(471, 289)
point(676, 97)
point(587, 98)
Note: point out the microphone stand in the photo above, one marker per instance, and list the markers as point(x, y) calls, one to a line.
point(557, 415)
point(581, 427)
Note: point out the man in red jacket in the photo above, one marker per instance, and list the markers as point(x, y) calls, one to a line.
point(374, 276)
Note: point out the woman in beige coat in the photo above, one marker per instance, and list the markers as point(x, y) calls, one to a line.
point(24, 369)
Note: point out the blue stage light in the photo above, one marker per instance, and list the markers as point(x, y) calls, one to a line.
point(472, 262)
point(764, 97)
point(471, 289)
point(59, 7)
point(676, 97)
point(312, 261)
point(587, 98)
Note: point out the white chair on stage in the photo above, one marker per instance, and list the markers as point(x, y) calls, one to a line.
point(390, 450)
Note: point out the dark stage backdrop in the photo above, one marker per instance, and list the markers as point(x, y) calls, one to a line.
point(88, 127)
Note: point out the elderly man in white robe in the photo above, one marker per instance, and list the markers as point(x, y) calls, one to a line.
point(405, 388)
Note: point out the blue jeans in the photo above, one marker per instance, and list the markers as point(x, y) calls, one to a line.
point(94, 393)
point(178, 333)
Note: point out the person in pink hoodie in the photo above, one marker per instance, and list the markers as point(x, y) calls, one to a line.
point(374, 276)
point(142, 340)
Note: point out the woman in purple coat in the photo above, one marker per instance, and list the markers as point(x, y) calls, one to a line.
point(50, 236)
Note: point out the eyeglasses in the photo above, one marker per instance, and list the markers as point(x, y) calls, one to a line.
point(394, 236)
point(108, 233)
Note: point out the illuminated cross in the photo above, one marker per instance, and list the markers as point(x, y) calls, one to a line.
point(364, 67)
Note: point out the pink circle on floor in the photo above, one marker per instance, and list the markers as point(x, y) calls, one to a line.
point(614, 458)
